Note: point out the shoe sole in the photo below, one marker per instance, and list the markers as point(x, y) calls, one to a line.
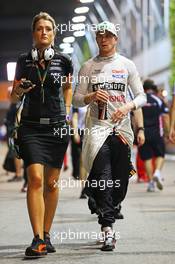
point(51, 251)
point(108, 248)
point(40, 255)
point(35, 254)
point(35, 257)
point(158, 183)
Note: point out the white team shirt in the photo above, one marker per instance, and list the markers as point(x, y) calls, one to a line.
point(114, 74)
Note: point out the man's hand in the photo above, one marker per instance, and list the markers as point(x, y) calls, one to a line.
point(172, 135)
point(99, 95)
point(122, 111)
point(140, 138)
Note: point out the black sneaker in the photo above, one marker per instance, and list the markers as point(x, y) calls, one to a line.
point(109, 241)
point(37, 248)
point(49, 247)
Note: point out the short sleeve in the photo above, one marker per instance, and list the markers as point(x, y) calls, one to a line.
point(68, 66)
point(19, 73)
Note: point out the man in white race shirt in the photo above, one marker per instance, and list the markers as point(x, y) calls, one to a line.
point(103, 84)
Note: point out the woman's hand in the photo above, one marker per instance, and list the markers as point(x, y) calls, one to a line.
point(19, 90)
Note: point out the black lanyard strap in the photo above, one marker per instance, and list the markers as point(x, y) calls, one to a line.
point(42, 79)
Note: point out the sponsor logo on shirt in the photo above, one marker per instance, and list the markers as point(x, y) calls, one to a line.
point(28, 61)
point(150, 104)
point(54, 63)
point(119, 71)
point(30, 65)
point(54, 60)
point(117, 98)
point(119, 74)
point(55, 74)
point(96, 71)
point(55, 68)
point(109, 86)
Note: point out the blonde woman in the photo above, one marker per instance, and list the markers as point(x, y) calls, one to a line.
point(46, 102)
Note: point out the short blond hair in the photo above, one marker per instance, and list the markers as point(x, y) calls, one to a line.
point(45, 16)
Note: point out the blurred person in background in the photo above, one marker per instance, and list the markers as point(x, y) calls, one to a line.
point(43, 84)
point(138, 129)
point(165, 118)
point(10, 125)
point(154, 146)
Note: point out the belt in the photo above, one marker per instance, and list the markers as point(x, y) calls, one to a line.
point(43, 121)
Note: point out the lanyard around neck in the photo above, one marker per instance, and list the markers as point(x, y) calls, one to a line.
point(42, 79)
